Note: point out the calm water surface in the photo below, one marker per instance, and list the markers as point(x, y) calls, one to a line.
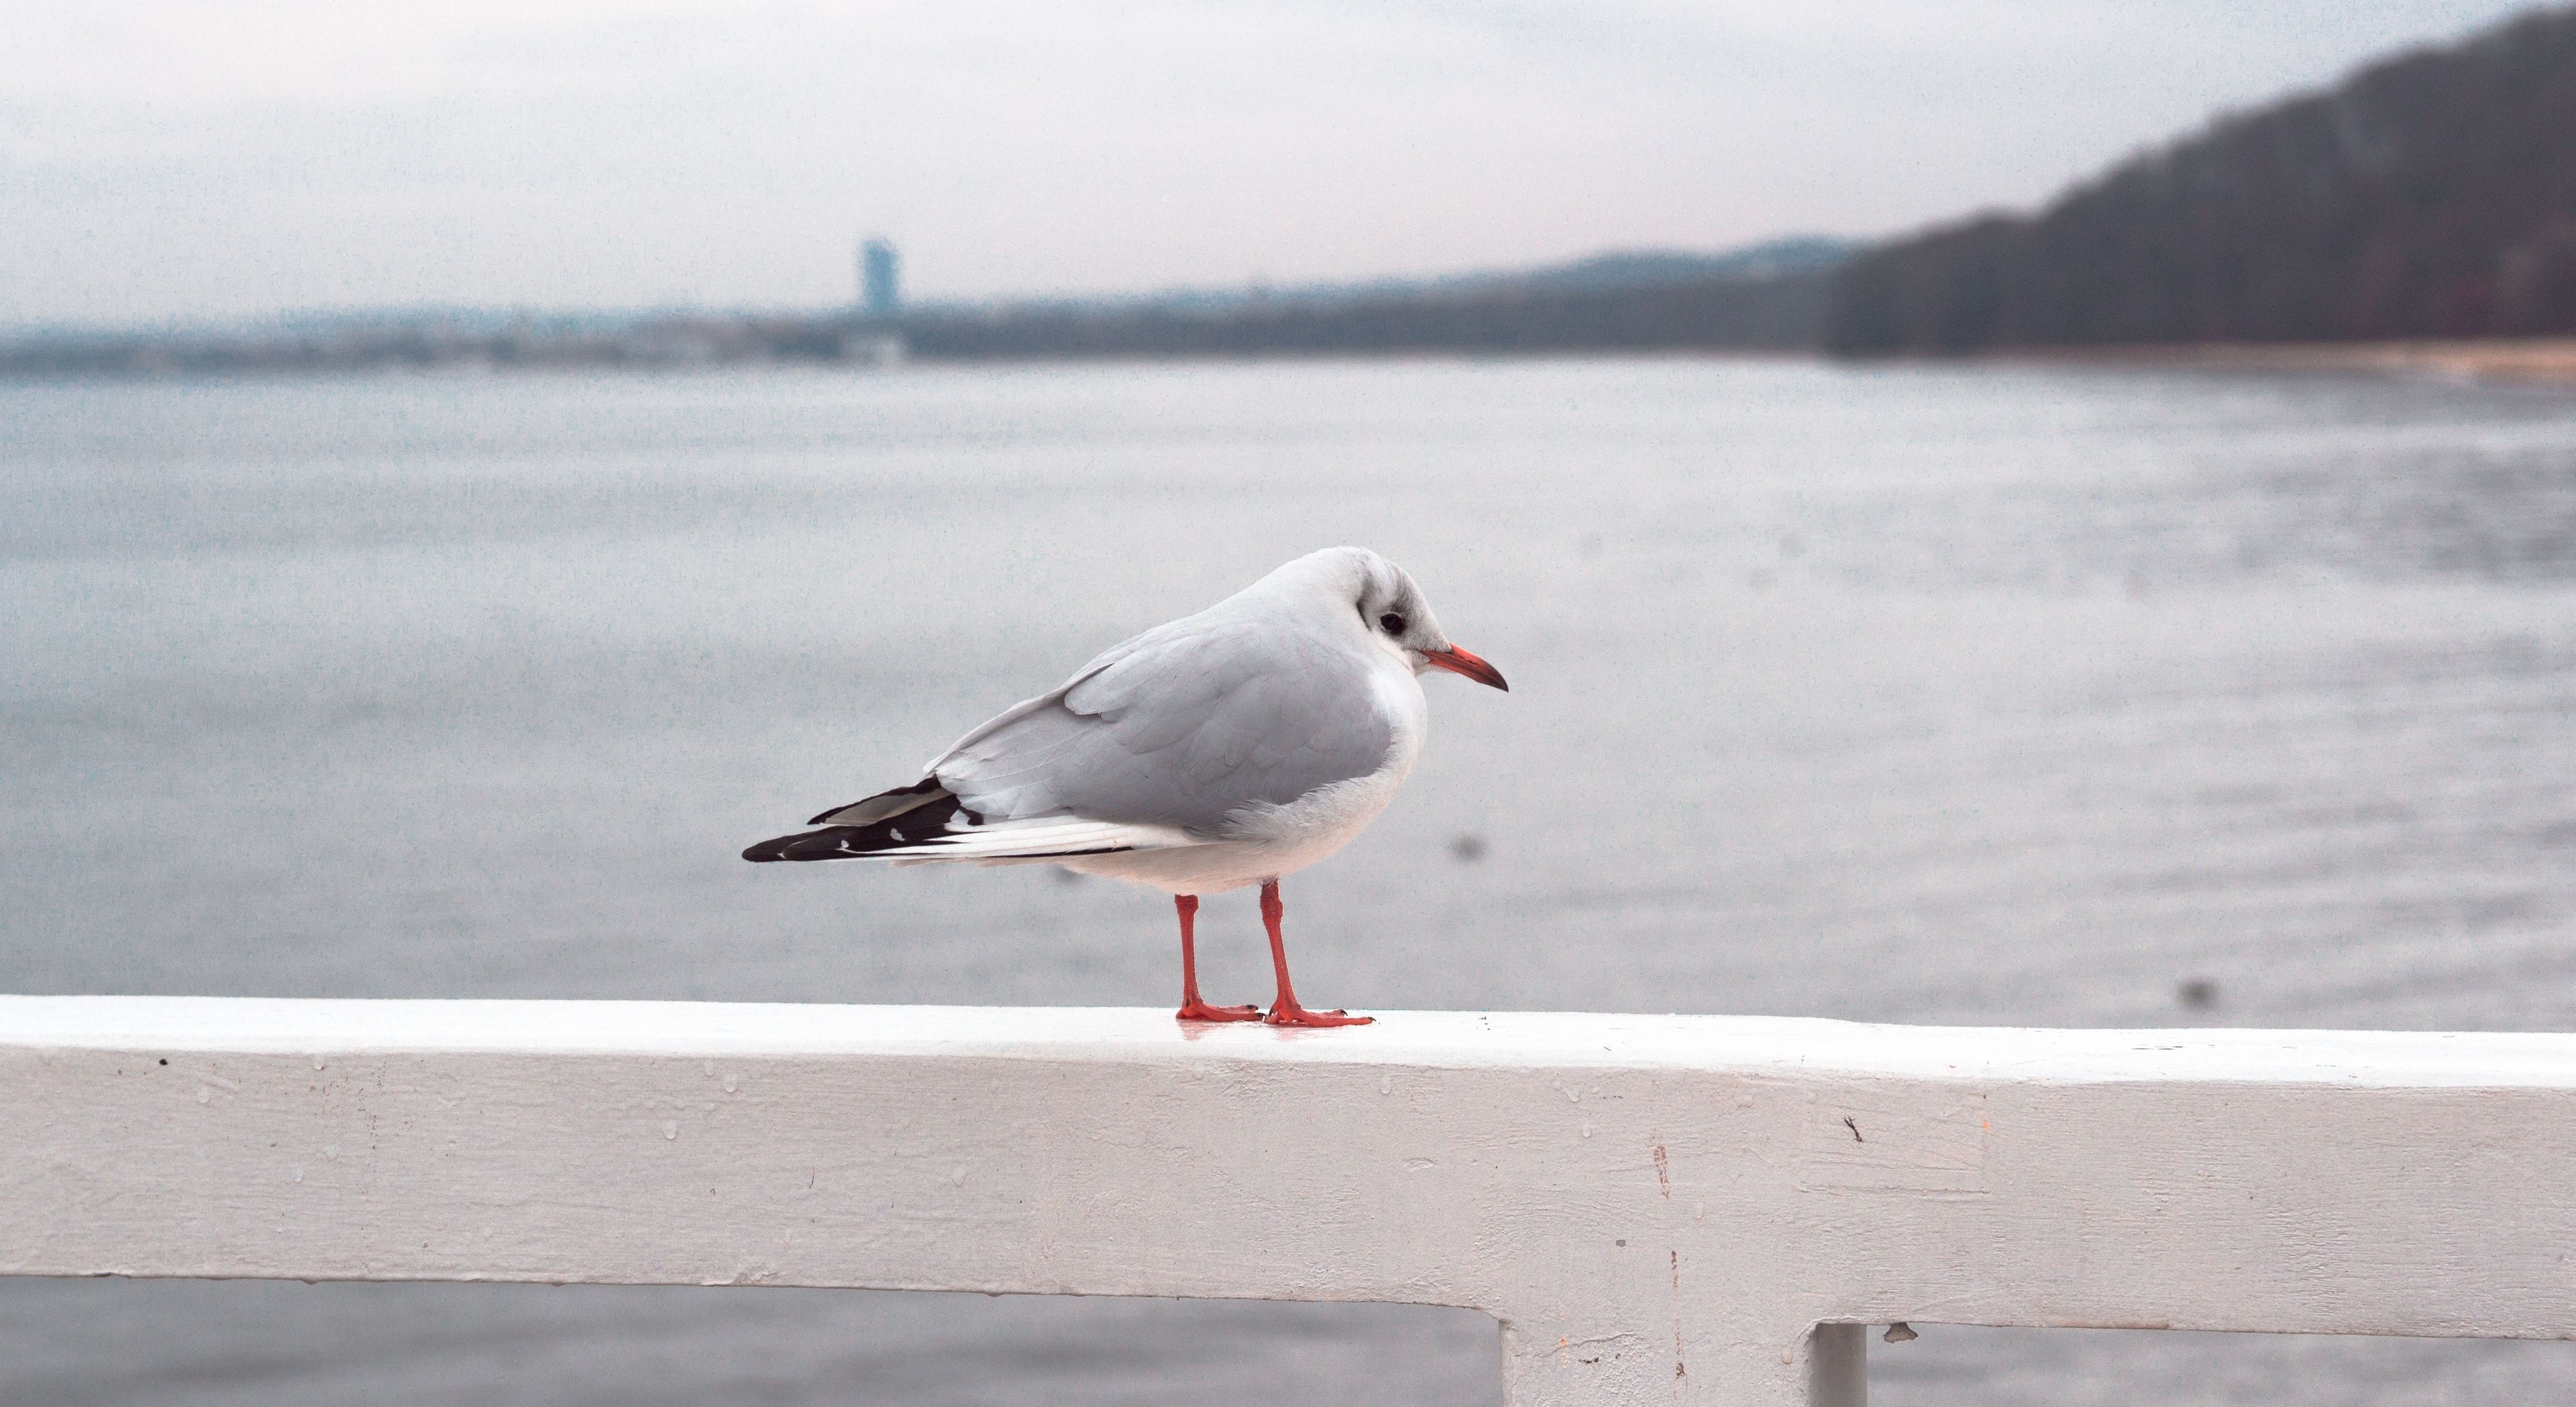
point(1934, 695)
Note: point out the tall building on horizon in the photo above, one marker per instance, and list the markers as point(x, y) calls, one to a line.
point(879, 293)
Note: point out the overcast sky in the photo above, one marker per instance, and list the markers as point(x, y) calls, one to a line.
point(164, 159)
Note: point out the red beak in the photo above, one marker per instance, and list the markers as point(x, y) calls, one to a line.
point(1458, 661)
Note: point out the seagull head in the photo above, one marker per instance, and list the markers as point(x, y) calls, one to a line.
point(1386, 604)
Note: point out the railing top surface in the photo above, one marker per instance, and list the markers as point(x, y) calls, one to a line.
point(1753, 1045)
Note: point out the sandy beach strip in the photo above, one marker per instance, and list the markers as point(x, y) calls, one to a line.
point(2534, 360)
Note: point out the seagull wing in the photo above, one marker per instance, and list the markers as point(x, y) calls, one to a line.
point(1179, 729)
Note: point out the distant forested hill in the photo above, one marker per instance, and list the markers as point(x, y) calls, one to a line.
point(2430, 195)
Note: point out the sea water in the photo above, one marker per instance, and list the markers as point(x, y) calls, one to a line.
point(1927, 694)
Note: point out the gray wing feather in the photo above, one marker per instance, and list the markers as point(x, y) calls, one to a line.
point(1180, 726)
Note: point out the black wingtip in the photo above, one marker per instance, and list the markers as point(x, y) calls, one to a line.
point(829, 843)
point(892, 835)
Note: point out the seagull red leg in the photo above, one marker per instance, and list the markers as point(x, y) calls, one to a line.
point(1192, 1008)
point(1285, 1011)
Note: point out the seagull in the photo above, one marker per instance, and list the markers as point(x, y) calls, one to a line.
point(1226, 749)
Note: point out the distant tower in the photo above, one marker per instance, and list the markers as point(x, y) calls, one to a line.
point(878, 294)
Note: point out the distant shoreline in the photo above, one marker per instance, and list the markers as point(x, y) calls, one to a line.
point(2539, 362)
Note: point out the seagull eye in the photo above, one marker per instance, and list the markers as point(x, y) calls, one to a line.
point(1394, 623)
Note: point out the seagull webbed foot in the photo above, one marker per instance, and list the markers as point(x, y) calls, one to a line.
point(1195, 1010)
point(1290, 1014)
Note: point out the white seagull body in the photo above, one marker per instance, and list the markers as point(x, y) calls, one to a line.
point(1225, 749)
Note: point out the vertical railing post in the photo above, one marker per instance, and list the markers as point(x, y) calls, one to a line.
point(1838, 1366)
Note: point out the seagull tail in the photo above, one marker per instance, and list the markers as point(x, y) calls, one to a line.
point(886, 822)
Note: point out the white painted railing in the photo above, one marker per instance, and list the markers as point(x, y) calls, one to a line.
point(1693, 1209)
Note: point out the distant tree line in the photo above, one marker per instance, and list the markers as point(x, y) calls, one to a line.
point(2431, 195)
point(1756, 312)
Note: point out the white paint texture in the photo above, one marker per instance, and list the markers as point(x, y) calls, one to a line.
point(1657, 1209)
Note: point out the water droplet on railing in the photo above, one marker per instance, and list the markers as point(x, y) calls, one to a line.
point(670, 1128)
point(317, 1062)
point(731, 1084)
